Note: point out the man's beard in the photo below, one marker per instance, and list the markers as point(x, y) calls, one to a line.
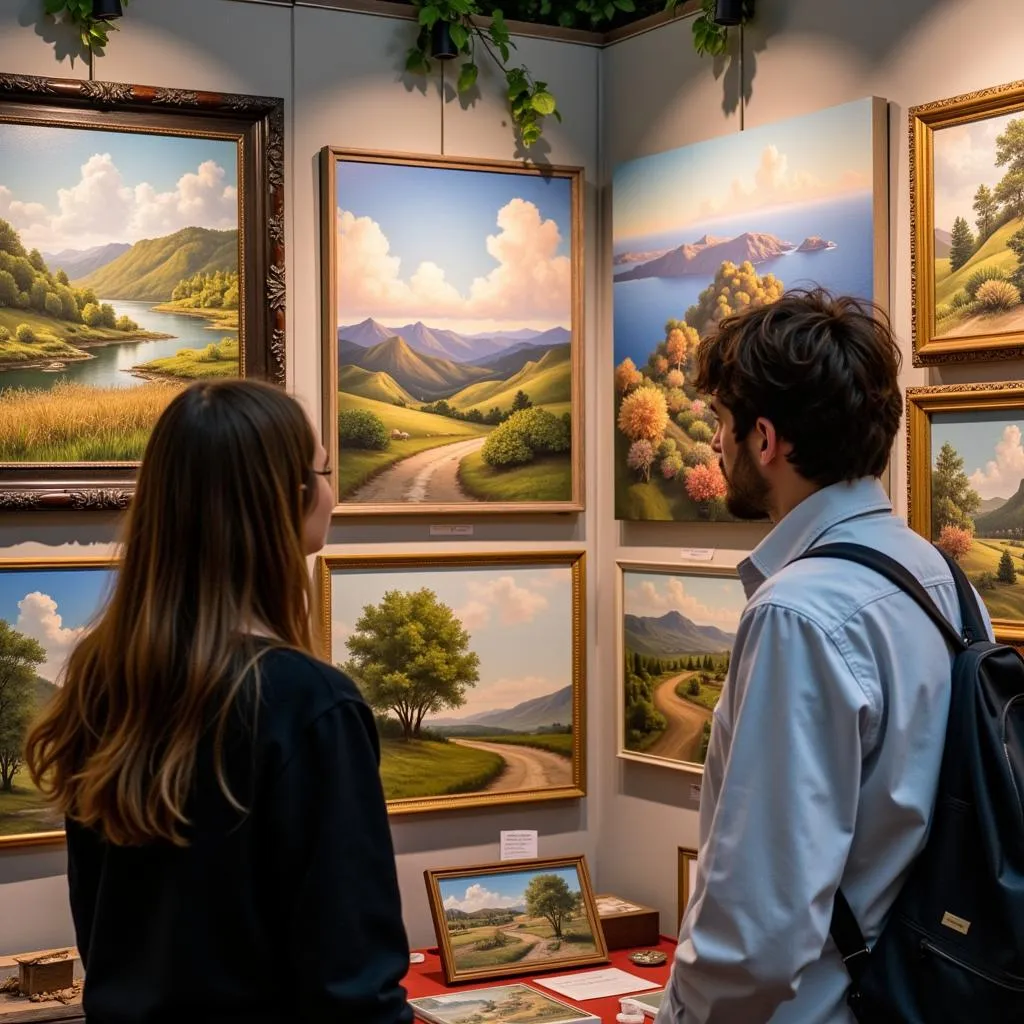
point(747, 492)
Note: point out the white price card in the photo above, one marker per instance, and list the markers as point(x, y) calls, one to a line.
point(697, 554)
point(695, 792)
point(519, 844)
point(596, 984)
point(460, 530)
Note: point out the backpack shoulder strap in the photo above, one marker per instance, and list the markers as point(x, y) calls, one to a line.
point(906, 581)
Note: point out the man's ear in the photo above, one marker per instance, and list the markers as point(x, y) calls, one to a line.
point(766, 441)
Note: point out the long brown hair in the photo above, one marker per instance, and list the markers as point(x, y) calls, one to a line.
point(212, 554)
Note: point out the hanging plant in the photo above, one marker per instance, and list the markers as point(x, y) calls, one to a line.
point(448, 29)
point(709, 37)
point(94, 32)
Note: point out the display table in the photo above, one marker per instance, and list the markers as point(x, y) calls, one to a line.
point(427, 979)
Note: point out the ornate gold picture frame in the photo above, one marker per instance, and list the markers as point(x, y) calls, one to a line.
point(485, 915)
point(965, 487)
point(687, 864)
point(967, 226)
point(474, 666)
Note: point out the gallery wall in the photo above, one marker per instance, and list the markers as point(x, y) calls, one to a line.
point(340, 76)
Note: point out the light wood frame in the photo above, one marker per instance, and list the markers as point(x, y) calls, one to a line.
point(684, 888)
point(256, 125)
point(924, 121)
point(56, 837)
point(665, 569)
point(329, 158)
point(922, 404)
point(452, 973)
point(575, 562)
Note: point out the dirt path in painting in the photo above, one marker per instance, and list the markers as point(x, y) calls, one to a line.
point(525, 767)
point(431, 476)
point(681, 739)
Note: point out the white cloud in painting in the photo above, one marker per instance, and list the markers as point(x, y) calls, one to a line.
point(1000, 477)
point(340, 632)
point(479, 897)
point(39, 619)
point(101, 206)
point(650, 600)
point(529, 275)
point(773, 182)
point(513, 604)
point(964, 157)
point(507, 693)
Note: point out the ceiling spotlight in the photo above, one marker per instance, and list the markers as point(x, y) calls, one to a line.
point(106, 10)
point(730, 12)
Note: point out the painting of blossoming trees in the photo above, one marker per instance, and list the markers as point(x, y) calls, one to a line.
point(803, 204)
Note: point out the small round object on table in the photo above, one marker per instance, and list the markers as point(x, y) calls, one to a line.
point(648, 958)
point(416, 958)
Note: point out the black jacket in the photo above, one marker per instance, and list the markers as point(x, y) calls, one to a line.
point(290, 913)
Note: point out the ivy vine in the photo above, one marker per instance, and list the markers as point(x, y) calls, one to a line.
point(94, 32)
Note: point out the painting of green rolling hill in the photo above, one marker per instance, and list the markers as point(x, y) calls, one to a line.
point(455, 353)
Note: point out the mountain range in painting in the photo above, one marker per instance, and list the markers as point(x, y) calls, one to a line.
point(673, 633)
point(537, 713)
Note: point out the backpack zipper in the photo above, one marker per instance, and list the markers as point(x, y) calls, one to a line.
point(1006, 752)
point(1013, 984)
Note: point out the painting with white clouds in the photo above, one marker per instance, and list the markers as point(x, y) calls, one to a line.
point(507, 919)
point(711, 229)
point(453, 302)
point(119, 258)
point(44, 609)
point(677, 629)
point(473, 669)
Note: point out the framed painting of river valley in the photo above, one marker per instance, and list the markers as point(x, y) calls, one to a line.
point(45, 606)
point(519, 917)
point(453, 334)
point(967, 213)
point(473, 666)
point(141, 248)
point(677, 626)
point(965, 488)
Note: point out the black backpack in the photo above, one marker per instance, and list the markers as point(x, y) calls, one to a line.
point(952, 949)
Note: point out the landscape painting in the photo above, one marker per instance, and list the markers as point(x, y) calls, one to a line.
point(497, 921)
point(968, 203)
point(712, 229)
point(971, 503)
point(44, 609)
point(453, 346)
point(501, 1004)
point(678, 627)
point(473, 668)
point(118, 285)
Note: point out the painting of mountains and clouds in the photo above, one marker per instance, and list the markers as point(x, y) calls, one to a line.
point(678, 630)
point(472, 673)
point(118, 285)
point(451, 335)
point(711, 229)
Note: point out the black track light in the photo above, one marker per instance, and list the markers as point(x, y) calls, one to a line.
point(106, 10)
point(442, 46)
point(729, 12)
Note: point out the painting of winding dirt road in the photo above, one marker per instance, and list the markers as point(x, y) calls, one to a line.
point(678, 630)
point(472, 674)
point(453, 312)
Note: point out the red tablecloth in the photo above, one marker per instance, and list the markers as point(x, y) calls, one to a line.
point(427, 979)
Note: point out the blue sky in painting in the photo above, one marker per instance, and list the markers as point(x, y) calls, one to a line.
point(705, 600)
point(54, 606)
point(519, 621)
point(505, 890)
point(469, 250)
point(821, 156)
point(74, 188)
point(990, 445)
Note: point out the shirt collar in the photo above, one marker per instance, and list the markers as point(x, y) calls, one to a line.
point(798, 531)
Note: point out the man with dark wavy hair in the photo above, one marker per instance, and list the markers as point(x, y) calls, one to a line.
point(826, 744)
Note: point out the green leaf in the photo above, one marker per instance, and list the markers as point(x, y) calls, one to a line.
point(504, 50)
point(530, 134)
point(566, 19)
point(498, 20)
point(625, 5)
point(429, 15)
point(467, 77)
point(544, 103)
point(459, 35)
point(54, 6)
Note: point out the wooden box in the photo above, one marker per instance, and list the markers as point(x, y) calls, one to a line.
point(626, 923)
point(48, 974)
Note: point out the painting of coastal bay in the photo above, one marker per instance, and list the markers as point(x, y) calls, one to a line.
point(45, 607)
point(119, 257)
point(452, 318)
point(677, 631)
point(472, 667)
point(711, 229)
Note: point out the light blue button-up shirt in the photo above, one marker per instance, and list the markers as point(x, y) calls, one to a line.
point(822, 767)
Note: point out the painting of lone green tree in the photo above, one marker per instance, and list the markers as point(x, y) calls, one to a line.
point(43, 612)
point(979, 227)
point(470, 675)
point(977, 503)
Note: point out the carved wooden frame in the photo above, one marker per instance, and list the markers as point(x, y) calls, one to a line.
point(256, 124)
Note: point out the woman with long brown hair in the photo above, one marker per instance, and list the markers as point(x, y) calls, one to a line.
point(229, 857)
